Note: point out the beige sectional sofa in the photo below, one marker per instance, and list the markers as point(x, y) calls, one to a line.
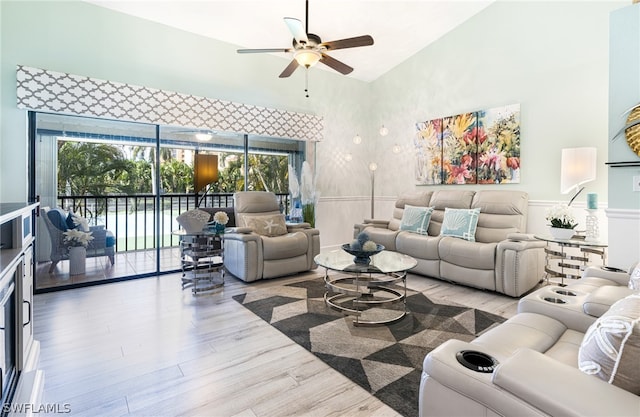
point(576, 357)
point(501, 258)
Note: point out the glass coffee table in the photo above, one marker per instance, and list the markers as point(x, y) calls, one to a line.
point(375, 293)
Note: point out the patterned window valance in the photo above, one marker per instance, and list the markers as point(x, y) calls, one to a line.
point(39, 89)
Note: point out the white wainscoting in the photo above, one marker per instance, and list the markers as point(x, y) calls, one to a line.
point(624, 237)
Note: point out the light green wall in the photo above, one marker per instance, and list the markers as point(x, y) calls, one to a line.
point(625, 94)
point(83, 39)
point(551, 57)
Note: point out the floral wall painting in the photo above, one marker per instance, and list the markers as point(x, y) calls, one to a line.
point(459, 149)
point(499, 145)
point(481, 147)
point(428, 145)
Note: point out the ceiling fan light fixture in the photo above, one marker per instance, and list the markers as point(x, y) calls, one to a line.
point(307, 57)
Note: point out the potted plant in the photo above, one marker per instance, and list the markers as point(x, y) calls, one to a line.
point(220, 219)
point(77, 242)
point(562, 222)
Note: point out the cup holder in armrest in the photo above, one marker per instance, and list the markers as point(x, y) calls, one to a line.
point(555, 300)
point(565, 292)
point(477, 361)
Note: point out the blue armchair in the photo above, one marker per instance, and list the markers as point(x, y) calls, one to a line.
point(58, 222)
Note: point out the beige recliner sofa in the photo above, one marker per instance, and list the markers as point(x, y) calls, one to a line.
point(263, 245)
point(530, 364)
point(502, 258)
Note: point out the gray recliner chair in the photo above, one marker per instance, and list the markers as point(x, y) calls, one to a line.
point(103, 243)
point(263, 245)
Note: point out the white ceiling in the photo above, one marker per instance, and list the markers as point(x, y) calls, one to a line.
point(399, 28)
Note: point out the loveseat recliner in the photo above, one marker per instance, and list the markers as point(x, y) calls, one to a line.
point(577, 358)
point(263, 245)
point(500, 257)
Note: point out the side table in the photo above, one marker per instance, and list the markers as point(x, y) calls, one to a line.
point(570, 262)
point(202, 260)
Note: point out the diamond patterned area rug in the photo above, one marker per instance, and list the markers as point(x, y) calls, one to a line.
point(385, 360)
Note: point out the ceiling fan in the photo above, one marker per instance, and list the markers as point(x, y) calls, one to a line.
point(308, 49)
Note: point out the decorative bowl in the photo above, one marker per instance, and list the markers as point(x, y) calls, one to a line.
point(362, 257)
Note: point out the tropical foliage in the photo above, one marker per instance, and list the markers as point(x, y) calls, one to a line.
point(102, 169)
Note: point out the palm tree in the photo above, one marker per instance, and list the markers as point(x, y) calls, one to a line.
point(148, 153)
point(91, 169)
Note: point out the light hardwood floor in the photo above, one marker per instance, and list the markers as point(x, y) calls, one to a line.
point(148, 348)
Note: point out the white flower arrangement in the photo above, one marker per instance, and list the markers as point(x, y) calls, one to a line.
point(80, 222)
point(561, 216)
point(73, 237)
point(308, 186)
point(294, 186)
point(308, 194)
point(221, 217)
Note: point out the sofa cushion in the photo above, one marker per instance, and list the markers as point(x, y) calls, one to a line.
point(441, 199)
point(418, 246)
point(384, 237)
point(610, 349)
point(460, 223)
point(269, 225)
point(416, 199)
point(502, 213)
point(70, 223)
point(530, 330)
point(58, 218)
point(416, 219)
point(472, 255)
point(286, 246)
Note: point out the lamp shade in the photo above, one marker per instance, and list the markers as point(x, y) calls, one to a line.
point(205, 170)
point(307, 57)
point(578, 167)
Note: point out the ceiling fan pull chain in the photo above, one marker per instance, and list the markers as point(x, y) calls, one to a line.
point(306, 82)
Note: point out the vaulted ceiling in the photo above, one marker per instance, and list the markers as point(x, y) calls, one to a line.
point(399, 28)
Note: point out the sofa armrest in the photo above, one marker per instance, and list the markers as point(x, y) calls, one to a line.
point(441, 366)
point(523, 237)
point(244, 234)
point(519, 264)
point(99, 234)
point(359, 227)
point(291, 227)
point(561, 390)
point(240, 230)
point(618, 278)
point(602, 298)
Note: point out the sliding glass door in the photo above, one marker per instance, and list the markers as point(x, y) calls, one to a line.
point(131, 180)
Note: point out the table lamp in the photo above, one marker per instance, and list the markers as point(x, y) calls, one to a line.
point(578, 167)
point(205, 172)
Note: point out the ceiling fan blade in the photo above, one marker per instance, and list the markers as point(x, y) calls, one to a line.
point(290, 68)
point(335, 64)
point(297, 30)
point(364, 40)
point(257, 51)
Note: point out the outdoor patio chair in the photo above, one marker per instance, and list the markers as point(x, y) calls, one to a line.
point(56, 220)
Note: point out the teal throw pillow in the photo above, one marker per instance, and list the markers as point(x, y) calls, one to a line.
point(460, 223)
point(416, 219)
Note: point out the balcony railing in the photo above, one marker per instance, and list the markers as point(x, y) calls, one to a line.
point(133, 218)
